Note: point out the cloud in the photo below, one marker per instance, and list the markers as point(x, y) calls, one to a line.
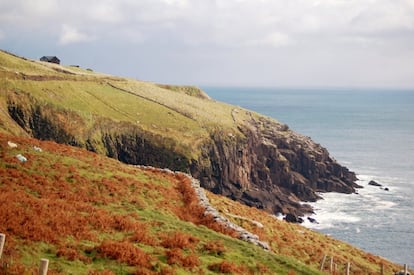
point(70, 35)
point(284, 35)
point(274, 39)
point(2, 36)
point(390, 16)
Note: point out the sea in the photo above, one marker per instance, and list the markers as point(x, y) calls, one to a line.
point(370, 131)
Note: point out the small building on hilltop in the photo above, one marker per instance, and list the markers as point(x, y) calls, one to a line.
point(50, 59)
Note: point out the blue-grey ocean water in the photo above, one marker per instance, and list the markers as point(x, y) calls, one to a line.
point(369, 131)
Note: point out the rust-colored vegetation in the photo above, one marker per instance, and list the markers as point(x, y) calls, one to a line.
point(228, 268)
point(84, 208)
point(215, 247)
point(193, 212)
point(176, 256)
point(64, 192)
point(178, 240)
point(125, 252)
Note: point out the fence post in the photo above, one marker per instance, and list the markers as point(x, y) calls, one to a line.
point(382, 268)
point(323, 261)
point(2, 241)
point(331, 265)
point(405, 269)
point(348, 268)
point(44, 265)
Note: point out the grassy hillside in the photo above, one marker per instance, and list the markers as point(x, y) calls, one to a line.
point(91, 214)
point(181, 114)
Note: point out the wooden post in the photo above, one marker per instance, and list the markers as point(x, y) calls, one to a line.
point(323, 261)
point(348, 268)
point(382, 268)
point(331, 265)
point(44, 265)
point(2, 241)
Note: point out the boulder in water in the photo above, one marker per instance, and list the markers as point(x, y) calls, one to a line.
point(374, 183)
point(312, 220)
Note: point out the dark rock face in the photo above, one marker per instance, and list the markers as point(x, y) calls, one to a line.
point(273, 169)
point(134, 148)
point(293, 218)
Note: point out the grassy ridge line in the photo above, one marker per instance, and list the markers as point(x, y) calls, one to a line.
point(89, 214)
point(80, 93)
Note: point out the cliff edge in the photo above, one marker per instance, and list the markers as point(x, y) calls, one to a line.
point(232, 151)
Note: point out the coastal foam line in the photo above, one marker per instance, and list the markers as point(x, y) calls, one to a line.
point(336, 209)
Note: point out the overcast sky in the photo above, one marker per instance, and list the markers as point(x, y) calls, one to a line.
point(295, 43)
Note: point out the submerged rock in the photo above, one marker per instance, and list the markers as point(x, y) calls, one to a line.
point(312, 220)
point(374, 183)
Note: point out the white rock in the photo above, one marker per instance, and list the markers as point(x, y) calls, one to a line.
point(21, 158)
point(12, 144)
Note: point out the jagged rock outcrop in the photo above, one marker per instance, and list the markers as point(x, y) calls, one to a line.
point(272, 168)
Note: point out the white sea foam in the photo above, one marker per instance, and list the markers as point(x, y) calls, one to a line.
point(337, 210)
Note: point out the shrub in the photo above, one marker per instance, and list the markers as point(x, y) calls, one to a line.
point(70, 253)
point(175, 256)
point(215, 248)
point(178, 240)
point(142, 236)
point(226, 267)
point(125, 252)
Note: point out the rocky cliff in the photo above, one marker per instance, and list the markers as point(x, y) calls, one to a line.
point(232, 151)
point(272, 168)
point(267, 166)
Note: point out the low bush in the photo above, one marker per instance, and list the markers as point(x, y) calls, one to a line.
point(215, 248)
point(125, 252)
point(175, 256)
point(178, 240)
point(227, 268)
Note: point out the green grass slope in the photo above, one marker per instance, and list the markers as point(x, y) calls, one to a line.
point(173, 114)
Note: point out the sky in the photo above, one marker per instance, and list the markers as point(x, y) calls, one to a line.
point(277, 43)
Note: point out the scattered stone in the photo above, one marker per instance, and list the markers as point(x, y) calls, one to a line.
point(374, 183)
point(12, 144)
point(21, 158)
point(37, 149)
